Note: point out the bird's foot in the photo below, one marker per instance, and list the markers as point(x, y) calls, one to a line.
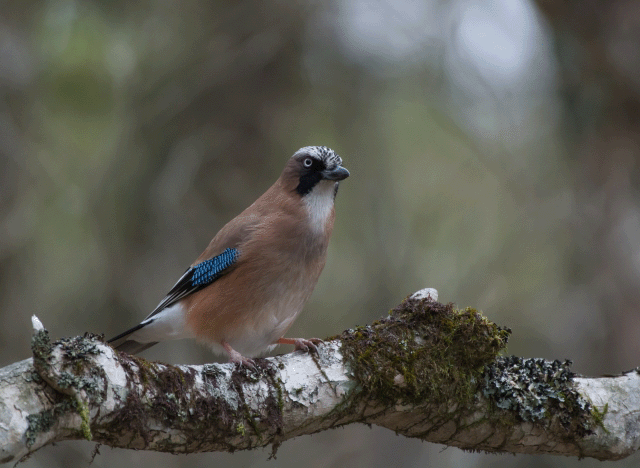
point(301, 344)
point(237, 358)
point(241, 361)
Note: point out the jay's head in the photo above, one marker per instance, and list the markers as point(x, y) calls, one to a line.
point(313, 170)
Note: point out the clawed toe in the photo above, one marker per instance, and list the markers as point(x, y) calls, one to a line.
point(242, 361)
point(302, 344)
point(237, 358)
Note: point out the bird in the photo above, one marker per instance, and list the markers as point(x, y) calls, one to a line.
point(241, 295)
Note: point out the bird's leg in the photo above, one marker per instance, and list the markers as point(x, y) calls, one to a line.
point(237, 358)
point(301, 344)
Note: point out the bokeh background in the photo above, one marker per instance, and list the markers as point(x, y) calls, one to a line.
point(494, 148)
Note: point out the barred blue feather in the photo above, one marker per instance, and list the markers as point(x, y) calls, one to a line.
point(210, 270)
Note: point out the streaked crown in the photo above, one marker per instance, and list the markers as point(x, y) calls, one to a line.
point(329, 157)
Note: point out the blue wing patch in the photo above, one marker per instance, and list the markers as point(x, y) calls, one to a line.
point(197, 277)
point(194, 279)
point(210, 270)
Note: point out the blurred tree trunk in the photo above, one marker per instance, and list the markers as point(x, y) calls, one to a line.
point(599, 65)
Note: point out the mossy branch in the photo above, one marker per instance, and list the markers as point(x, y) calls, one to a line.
point(427, 370)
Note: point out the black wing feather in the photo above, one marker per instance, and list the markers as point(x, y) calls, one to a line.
point(194, 279)
point(197, 277)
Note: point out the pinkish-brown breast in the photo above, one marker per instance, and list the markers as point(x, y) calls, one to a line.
point(280, 260)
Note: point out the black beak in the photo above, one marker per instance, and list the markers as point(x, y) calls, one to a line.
point(339, 173)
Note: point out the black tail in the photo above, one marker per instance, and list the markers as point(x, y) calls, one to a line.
point(121, 343)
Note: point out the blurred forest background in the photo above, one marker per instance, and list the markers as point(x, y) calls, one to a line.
point(494, 150)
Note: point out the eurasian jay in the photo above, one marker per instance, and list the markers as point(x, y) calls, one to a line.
point(244, 291)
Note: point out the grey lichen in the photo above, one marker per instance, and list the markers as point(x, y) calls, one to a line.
point(39, 423)
point(75, 376)
point(41, 347)
point(42, 422)
point(80, 347)
point(67, 380)
point(538, 391)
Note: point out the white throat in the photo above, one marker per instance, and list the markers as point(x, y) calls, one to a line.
point(319, 204)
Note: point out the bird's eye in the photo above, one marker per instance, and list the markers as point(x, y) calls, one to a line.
point(308, 162)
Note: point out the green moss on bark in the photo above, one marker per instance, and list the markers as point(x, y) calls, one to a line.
point(424, 351)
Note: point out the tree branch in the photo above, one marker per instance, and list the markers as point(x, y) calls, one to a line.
point(427, 371)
